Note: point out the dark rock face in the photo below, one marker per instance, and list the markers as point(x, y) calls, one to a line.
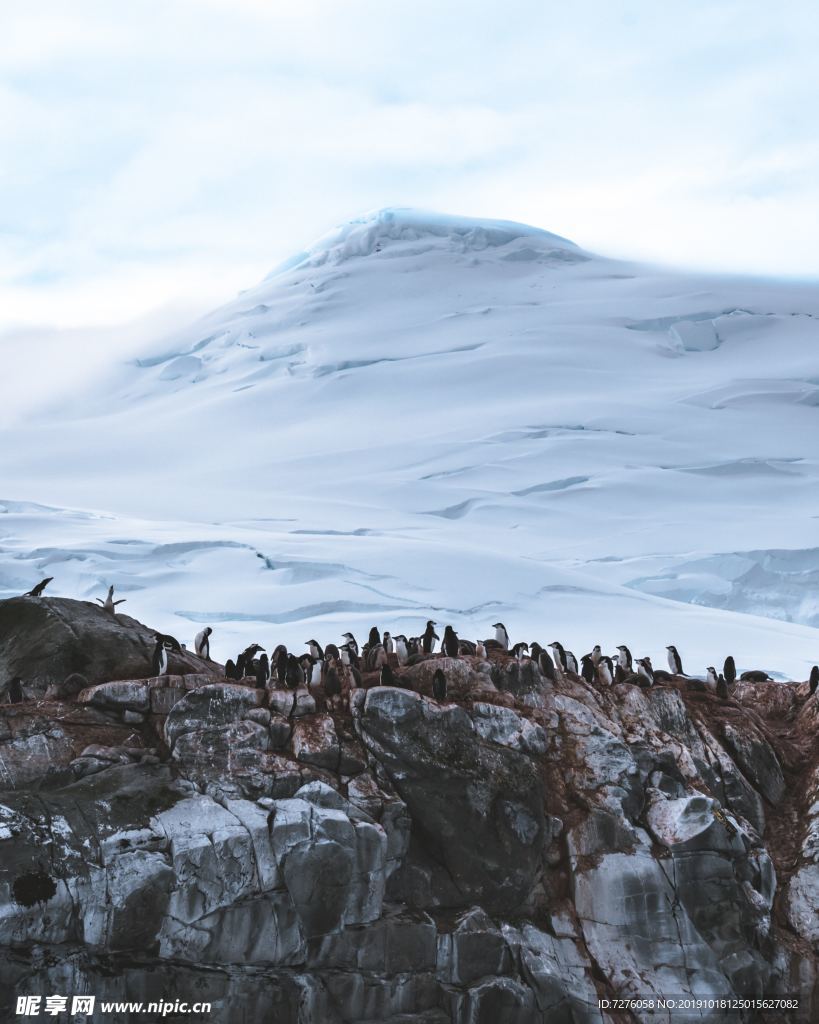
point(509, 857)
point(476, 800)
point(44, 640)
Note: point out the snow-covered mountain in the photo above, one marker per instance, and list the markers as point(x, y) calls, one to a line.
point(474, 419)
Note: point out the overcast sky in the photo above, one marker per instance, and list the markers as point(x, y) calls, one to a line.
point(166, 154)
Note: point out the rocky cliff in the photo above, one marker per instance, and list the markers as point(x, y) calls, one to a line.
point(510, 856)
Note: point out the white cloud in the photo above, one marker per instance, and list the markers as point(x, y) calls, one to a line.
point(177, 150)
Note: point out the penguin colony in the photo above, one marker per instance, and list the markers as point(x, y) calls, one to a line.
point(338, 668)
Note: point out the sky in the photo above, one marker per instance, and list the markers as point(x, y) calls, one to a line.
point(157, 157)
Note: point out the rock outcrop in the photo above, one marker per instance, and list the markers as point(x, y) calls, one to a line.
point(513, 855)
point(44, 640)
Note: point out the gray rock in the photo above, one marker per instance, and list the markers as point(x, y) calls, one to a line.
point(477, 807)
point(210, 708)
point(315, 742)
point(46, 639)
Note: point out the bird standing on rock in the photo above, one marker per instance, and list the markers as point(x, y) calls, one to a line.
point(201, 643)
point(565, 660)
point(37, 591)
point(501, 636)
point(449, 645)
point(729, 670)
point(439, 685)
point(429, 637)
point(605, 670)
point(294, 675)
point(624, 658)
point(262, 671)
point(109, 604)
point(674, 661)
point(645, 671)
point(351, 642)
point(813, 682)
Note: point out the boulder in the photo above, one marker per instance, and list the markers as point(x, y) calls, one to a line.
point(46, 639)
point(315, 742)
point(210, 708)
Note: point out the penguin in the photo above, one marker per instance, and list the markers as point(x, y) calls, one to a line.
point(401, 651)
point(596, 654)
point(449, 645)
point(170, 641)
point(201, 643)
point(109, 604)
point(294, 675)
point(480, 650)
point(387, 677)
point(429, 637)
point(389, 646)
point(620, 674)
point(729, 670)
point(674, 661)
point(251, 652)
point(518, 650)
point(624, 658)
point(14, 690)
point(351, 643)
point(711, 677)
point(160, 658)
point(332, 684)
point(501, 636)
point(349, 655)
point(37, 591)
point(439, 685)
point(587, 669)
point(546, 665)
point(73, 684)
point(262, 671)
point(755, 675)
point(374, 637)
point(241, 666)
point(813, 682)
point(722, 687)
point(331, 653)
point(316, 653)
point(375, 657)
point(230, 669)
point(645, 671)
point(605, 670)
point(565, 659)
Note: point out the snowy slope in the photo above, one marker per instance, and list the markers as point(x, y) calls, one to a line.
point(473, 417)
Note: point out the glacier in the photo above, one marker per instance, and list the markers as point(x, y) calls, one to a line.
point(420, 415)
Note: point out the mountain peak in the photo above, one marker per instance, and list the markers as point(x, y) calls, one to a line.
point(409, 231)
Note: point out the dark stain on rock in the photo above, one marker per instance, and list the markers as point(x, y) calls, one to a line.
point(34, 887)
